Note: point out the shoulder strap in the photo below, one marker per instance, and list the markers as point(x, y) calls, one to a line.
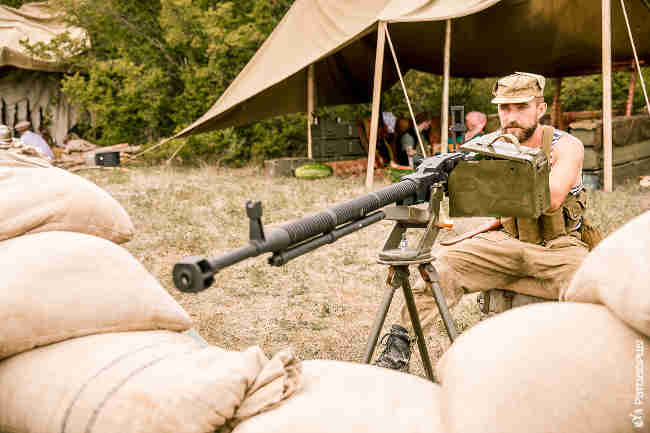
point(547, 139)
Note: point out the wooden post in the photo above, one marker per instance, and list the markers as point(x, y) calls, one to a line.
point(376, 97)
point(607, 94)
point(629, 104)
point(556, 111)
point(310, 108)
point(444, 110)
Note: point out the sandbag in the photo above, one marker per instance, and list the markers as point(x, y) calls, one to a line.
point(59, 285)
point(139, 382)
point(550, 367)
point(617, 274)
point(39, 199)
point(349, 397)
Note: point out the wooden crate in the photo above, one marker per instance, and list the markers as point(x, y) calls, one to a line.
point(348, 147)
point(327, 129)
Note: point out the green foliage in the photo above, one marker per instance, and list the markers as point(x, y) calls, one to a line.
point(15, 3)
point(586, 93)
point(124, 98)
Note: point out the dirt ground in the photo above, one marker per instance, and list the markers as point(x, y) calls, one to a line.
point(322, 304)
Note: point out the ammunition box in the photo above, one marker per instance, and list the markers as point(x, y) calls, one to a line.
point(503, 179)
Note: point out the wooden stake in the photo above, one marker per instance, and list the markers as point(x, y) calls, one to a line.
point(444, 111)
point(630, 93)
point(556, 111)
point(607, 94)
point(310, 108)
point(376, 97)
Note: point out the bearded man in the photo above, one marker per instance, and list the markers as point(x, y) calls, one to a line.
point(535, 257)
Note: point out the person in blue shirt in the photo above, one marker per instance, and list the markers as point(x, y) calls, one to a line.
point(32, 139)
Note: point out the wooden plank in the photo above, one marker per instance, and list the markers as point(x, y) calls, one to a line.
point(310, 108)
point(376, 96)
point(630, 93)
point(444, 111)
point(556, 111)
point(607, 93)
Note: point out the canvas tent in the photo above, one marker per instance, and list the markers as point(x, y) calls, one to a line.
point(29, 88)
point(335, 42)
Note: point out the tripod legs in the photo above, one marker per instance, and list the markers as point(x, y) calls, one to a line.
point(398, 276)
point(415, 321)
point(431, 279)
point(380, 318)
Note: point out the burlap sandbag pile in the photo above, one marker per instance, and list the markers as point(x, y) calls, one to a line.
point(90, 343)
point(60, 285)
point(139, 382)
point(36, 197)
point(617, 274)
point(551, 367)
point(350, 397)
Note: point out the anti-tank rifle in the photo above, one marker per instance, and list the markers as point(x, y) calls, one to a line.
point(292, 239)
point(494, 176)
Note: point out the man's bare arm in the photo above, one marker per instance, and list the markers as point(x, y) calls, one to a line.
point(567, 155)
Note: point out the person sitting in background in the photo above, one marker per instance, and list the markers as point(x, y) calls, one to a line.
point(32, 139)
point(386, 149)
point(475, 123)
point(408, 143)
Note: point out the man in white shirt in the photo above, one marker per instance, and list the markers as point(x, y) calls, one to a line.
point(32, 139)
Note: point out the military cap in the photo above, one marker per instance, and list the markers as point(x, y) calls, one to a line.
point(518, 88)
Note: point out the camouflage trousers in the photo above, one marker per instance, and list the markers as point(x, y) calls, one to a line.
point(496, 260)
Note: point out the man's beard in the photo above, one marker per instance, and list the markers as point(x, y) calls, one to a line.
point(522, 134)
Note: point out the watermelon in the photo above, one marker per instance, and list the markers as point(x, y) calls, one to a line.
point(313, 170)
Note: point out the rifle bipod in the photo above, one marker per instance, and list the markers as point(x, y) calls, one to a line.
point(399, 257)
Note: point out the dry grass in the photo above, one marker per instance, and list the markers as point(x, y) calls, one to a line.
point(322, 304)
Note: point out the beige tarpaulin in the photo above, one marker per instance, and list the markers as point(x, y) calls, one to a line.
point(33, 22)
point(490, 38)
point(36, 96)
point(31, 91)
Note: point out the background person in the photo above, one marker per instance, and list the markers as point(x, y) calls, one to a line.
point(32, 139)
point(408, 142)
point(475, 122)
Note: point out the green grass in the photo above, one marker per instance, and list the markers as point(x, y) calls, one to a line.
point(322, 304)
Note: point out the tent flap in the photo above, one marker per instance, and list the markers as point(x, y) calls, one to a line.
point(33, 22)
point(490, 38)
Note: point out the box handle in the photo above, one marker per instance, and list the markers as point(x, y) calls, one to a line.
point(508, 137)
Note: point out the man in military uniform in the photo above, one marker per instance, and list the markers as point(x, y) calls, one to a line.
point(535, 257)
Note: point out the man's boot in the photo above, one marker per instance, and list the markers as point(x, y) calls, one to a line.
point(397, 350)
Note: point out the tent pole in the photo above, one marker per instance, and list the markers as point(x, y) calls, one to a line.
point(444, 111)
point(607, 94)
point(376, 97)
point(406, 93)
point(310, 108)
